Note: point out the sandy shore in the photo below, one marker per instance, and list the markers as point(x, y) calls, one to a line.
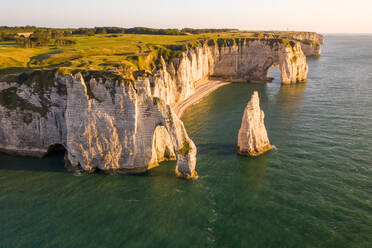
point(201, 91)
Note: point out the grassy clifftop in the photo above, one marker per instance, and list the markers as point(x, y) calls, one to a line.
point(119, 53)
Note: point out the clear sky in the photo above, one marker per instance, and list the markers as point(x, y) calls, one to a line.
point(324, 16)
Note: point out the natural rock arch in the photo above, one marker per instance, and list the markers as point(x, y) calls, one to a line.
point(162, 147)
point(274, 74)
point(251, 61)
point(108, 123)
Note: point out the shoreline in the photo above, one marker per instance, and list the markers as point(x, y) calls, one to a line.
point(201, 91)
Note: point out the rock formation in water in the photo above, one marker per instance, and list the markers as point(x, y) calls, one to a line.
point(107, 122)
point(250, 60)
point(252, 137)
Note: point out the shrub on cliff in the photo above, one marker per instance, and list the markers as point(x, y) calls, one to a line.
point(310, 42)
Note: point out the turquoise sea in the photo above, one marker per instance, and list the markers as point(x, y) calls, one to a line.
point(314, 190)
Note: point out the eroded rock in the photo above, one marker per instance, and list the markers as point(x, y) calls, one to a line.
point(129, 126)
point(252, 137)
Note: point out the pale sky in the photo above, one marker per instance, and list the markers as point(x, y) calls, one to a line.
point(323, 16)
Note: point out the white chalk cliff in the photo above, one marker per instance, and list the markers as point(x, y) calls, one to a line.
point(310, 43)
point(252, 137)
point(112, 124)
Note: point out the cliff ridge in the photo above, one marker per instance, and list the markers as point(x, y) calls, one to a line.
point(108, 122)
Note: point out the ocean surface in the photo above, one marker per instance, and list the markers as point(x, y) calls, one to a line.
point(314, 190)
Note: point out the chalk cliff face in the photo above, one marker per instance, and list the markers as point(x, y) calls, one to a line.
point(112, 124)
point(252, 137)
point(312, 36)
point(311, 49)
point(122, 128)
point(251, 60)
point(32, 118)
point(103, 124)
point(310, 43)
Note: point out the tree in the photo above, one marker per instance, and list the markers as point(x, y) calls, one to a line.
point(101, 30)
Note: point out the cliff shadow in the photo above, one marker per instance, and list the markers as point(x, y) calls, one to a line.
point(52, 162)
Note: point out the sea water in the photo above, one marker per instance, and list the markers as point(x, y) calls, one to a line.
point(314, 190)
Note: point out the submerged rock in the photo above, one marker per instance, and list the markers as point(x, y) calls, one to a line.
point(252, 138)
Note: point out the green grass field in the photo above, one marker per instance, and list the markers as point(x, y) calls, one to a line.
point(120, 52)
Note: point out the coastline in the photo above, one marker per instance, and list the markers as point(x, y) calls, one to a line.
point(201, 91)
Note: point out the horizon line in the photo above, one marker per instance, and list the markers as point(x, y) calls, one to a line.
point(237, 29)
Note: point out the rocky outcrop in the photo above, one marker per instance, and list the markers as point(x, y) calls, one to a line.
point(106, 122)
point(310, 43)
point(251, 60)
point(123, 128)
point(111, 125)
point(32, 116)
point(186, 161)
point(252, 137)
point(311, 49)
point(311, 36)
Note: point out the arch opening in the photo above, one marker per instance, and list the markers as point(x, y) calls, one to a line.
point(56, 150)
point(274, 74)
point(162, 147)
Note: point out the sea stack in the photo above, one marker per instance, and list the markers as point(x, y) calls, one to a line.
point(252, 138)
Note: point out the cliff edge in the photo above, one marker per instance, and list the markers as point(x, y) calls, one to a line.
point(109, 122)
